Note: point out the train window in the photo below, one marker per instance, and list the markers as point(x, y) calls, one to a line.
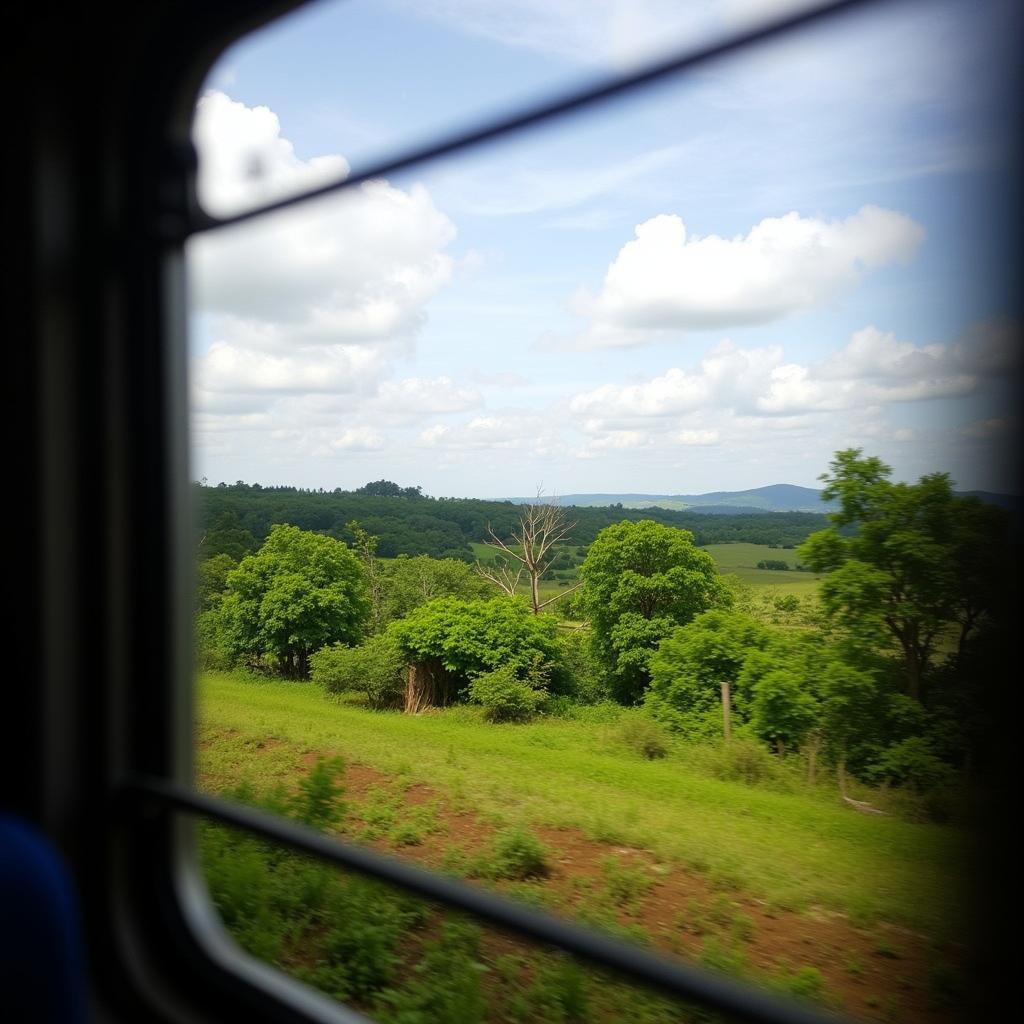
point(530, 645)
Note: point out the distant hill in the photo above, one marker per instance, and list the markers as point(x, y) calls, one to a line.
point(773, 498)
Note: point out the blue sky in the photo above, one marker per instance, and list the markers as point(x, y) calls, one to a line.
point(711, 285)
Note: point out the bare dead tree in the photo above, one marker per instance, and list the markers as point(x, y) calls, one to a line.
point(542, 524)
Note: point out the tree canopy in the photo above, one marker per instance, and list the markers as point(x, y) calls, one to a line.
point(640, 581)
point(298, 593)
point(920, 562)
point(468, 637)
point(690, 664)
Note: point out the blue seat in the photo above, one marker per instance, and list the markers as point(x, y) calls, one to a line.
point(42, 970)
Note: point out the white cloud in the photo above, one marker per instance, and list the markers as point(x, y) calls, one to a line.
point(244, 161)
point(422, 395)
point(874, 368)
point(236, 369)
point(358, 439)
point(356, 267)
point(315, 301)
point(665, 279)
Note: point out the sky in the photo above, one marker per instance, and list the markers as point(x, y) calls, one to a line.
point(713, 284)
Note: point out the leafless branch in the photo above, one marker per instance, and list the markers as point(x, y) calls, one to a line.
point(542, 524)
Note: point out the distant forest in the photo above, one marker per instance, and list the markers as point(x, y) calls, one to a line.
point(236, 518)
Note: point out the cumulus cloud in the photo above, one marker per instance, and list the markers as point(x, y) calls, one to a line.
point(234, 368)
point(357, 267)
point(666, 279)
point(244, 160)
point(358, 439)
point(873, 368)
point(316, 301)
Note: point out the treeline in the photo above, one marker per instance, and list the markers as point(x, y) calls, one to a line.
point(892, 676)
point(407, 522)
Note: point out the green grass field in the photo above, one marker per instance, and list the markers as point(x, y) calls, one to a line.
point(797, 850)
point(742, 560)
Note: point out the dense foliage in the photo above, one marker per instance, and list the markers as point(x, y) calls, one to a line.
point(299, 592)
point(886, 677)
point(922, 560)
point(236, 518)
point(376, 669)
point(640, 581)
point(471, 637)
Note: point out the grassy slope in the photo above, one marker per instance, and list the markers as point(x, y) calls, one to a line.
point(791, 849)
point(742, 560)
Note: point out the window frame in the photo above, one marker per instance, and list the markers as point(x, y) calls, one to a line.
point(113, 443)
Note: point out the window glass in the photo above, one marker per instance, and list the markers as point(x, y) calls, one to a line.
point(618, 515)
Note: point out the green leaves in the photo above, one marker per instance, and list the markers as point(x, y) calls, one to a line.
point(299, 592)
point(640, 580)
point(921, 559)
point(469, 637)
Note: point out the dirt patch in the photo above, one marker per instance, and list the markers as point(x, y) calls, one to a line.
point(879, 973)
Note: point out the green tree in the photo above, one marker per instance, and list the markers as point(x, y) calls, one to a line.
point(299, 592)
point(689, 667)
point(448, 641)
point(226, 536)
point(408, 582)
point(920, 560)
point(212, 580)
point(784, 708)
point(377, 668)
point(640, 581)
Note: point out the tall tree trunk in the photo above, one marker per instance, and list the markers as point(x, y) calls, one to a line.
point(780, 746)
point(427, 685)
point(726, 709)
point(535, 591)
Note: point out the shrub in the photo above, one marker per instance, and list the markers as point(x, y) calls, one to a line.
point(444, 986)
point(318, 802)
point(804, 983)
point(644, 735)
point(212, 644)
point(585, 673)
point(505, 697)
point(377, 668)
point(518, 854)
point(912, 762)
point(743, 760)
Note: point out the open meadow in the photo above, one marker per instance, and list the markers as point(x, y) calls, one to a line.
point(742, 867)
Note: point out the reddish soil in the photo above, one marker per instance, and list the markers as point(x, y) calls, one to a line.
point(879, 973)
point(876, 974)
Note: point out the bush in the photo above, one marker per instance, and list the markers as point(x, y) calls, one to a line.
point(743, 760)
point(912, 762)
point(505, 697)
point(644, 735)
point(318, 802)
point(586, 677)
point(212, 646)
point(377, 668)
point(518, 854)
